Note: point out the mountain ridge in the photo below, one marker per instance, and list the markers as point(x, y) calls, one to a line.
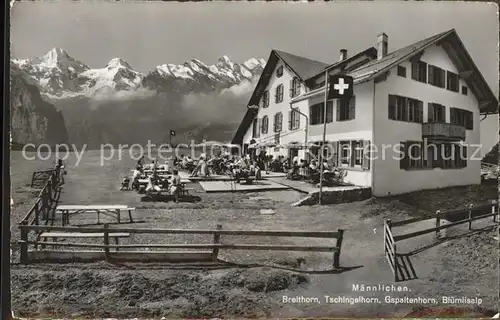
point(119, 105)
point(61, 76)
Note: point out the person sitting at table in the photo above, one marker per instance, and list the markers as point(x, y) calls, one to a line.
point(189, 164)
point(140, 162)
point(293, 173)
point(125, 184)
point(199, 169)
point(313, 165)
point(166, 166)
point(165, 185)
point(314, 172)
point(135, 178)
point(257, 171)
point(175, 185)
point(183, 161)
point(326, 166)
point(152, 185)
point(301, 167)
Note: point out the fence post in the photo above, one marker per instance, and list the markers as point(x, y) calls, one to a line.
point(32, 179)
point(470, 215)
point(215, 251)
point(106, 242)
point(49, 192)
point(338, 245)
point(37, 213)
point(396, 265)
point(438, 223)
point(23, 247)
point(493, 205)
point(385, 226)
point(389, 228)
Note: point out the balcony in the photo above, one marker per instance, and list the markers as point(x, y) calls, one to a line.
point(443, 131)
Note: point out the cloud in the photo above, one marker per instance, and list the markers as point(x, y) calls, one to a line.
point(122, 95)
point(244, 88)
point(228, 106)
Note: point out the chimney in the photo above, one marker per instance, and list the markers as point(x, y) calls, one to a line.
point(343, 54)
point(382, 44)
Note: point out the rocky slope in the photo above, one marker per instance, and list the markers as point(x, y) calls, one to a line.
point(119, 105)
point(33, 120)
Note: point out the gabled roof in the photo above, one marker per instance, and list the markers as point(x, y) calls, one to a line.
point(395, 57)
point(454, 47)
point(300, 66)
point(369, 53)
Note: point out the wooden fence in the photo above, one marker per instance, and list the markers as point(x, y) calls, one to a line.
point(470, 213)
point(106, 253)
point(43, 203)
point(40, 177)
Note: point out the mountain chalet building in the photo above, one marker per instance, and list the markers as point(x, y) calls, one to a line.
point(428, 91)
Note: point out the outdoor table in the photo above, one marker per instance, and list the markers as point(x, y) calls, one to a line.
point(110, 210)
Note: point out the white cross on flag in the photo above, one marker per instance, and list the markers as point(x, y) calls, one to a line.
point(340, 86)
point(172, 133)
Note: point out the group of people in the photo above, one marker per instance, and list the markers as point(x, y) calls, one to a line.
point(240, 167)
point(156, 183)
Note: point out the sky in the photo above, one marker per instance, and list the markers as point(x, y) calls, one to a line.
point(147, 34)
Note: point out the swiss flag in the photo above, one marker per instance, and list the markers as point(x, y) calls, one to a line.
point(172, 133)
point(340, 86)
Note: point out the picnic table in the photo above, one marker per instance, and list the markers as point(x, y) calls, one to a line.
point(146, 181)
point(109, 210)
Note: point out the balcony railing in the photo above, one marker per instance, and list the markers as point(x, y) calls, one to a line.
point(439, 130)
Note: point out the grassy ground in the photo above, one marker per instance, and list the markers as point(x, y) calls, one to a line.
point(455, 267)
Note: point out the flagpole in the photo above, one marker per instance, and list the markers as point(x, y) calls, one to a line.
point(323, 142)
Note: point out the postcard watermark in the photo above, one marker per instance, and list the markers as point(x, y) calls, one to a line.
point(414, 151)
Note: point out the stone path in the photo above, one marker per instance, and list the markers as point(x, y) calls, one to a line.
point(226, 186)
point(306, 187)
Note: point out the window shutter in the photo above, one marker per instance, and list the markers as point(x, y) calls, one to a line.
point(470, 121)
point(392, 107)
point(430, 112)
point(352, 145)
point(431, 75)
point(329, 112)
point(464, 156)
point(338, 103)
point(335, 157)
point(297, 120)
point(290, 120)
point(452, 116)
point(311, 114)
point(352, 108)
point(298, 88)
point(403, 162)
point(275, 122)
point(420, 112)
point(414, 70)
point(291, 88)
point(442, 78)
point(280, 117)
point(365, 164)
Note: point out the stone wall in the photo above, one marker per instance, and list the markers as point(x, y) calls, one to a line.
point(336, 196)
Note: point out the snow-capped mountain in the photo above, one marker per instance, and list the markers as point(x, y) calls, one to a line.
point(101, 105)
point(61, 76)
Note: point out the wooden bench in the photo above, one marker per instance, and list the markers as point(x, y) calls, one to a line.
point(55, 235)
point(186, 191)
